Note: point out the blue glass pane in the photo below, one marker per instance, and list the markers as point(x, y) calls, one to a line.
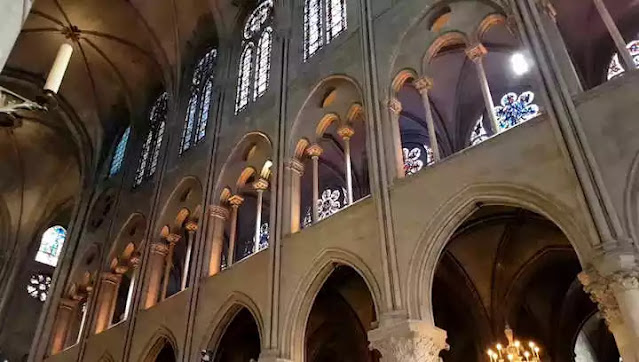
point(51, 245)
point(118, 155)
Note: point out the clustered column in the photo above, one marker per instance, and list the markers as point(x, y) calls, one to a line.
point(296, 170)
point(235, 201)
point(617, 297)
point(315, 151)
point(215, 238)
point(66, 310)
point(107, 296)
point(423, 85)
point(395, 107)
point(347, 132)
point(159, 251)
point(476, 53)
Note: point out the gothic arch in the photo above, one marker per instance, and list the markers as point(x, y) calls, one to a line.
point(225, 315)
point(159, 339)
point(452, 214)
point(186, 195)
point(106, 357)
point(293, 335)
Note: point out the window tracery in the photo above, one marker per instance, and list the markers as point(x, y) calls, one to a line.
point(479, 134)
point(254, 71)
point(414, 159)
point(615, 68)
point(51, 245)
point(331, 202)
point(118, 154)
point(515, 109)
point(324, 20)
point(197, 112)
point(38, 286)
point(151, 148)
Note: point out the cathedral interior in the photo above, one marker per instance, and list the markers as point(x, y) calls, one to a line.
point(319, 180)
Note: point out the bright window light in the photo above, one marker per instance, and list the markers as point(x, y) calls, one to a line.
point(519, 63)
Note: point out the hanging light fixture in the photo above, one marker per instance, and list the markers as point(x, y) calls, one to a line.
point(514, 351)
point(11, 102)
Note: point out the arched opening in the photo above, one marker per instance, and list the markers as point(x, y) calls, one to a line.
point(167, 354)
point(506, 266)
point(342, 313)
point(240, 342)
point(161, 351)
point(328, 169)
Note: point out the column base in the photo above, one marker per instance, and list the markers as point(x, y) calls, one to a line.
point(408, 341)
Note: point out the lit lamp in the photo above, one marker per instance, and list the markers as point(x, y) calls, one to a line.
point(11, 102)
point(514, 351)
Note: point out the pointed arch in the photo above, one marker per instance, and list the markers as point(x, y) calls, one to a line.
point(160, 338)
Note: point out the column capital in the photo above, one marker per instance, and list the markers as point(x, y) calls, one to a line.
point(191, 226)
point(295, 165)
point(110, 277)
point(68, 303)
point(314, 150)
point(260, 185)
point(236, 201)
point(600, 291)
point(219, 212)
point(423, 84)
point(408, 341)
point(395, 106)
point(121, 269)
point(476, 51)
point(159, 247)
point(626, 279)
point(173, 238)
point(135, 260)
point(346, 132)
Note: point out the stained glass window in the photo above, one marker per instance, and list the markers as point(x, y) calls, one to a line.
point(264, 236)
point(330, 202)
point(197, 112)
point(308, 217)
point(478, 135)
point(152, 143)
point(254, 71)
point(51, 245)
point(615, 68)
point(515, 109)
point(263, 63)
point(415, 158)
point(38, 286)
point(324, 20)
point(118, 155)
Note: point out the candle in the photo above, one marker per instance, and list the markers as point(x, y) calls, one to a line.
point(54, 80)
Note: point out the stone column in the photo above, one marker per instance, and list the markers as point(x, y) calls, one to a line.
point(108, 293)
point(157, 258)
point(602, 292)
point(191, 228)
point(476, 53)
point(66, 311)
point(347, 132)
point(395, 107)
point(134, 263)
point(408, 341)
point(235, 201)
point(260, 185)
point(423, 85)
point(296, 170)
point(172, 239)
point(215, 238)
point(314, 151)
point(620, 43)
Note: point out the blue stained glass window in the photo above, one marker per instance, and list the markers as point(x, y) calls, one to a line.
point(118, 155)
point(197, 112)
point(38, 286)
point(515, 109)
point(615, 68)
point(479, 134)
point(51, 245)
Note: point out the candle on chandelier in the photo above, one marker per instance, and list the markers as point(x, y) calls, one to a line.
point(54, 80)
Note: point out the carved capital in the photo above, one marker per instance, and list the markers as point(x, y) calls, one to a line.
point(219, 212)
point(191, 226)
point(173, 238)
point(423, 84)
point(295, 166)
point(260, 184)
point(626, 279)
point(135, 260)
point(236, 201)
point(68, 303)
point(110, 278)
point(395, 106)
point(409, 341)
point(159, 248)
point(600, 291)
point(476, 52)
point(346, 132)
point(314, 150)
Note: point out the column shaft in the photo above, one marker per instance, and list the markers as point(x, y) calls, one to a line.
point(296, 170)
point(235, 202)
point(620, 43)
point(423, 86)
point(108, 293)
point(187, 260)
point(258, 220)
point(157, 258)
point(395, 108)
point(315, 188)
point(64, 315)
point(168, 265)
point(217, 219)
point(476, 53)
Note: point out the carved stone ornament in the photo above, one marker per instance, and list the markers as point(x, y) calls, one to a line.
point(600, 291)
point(409, 341)
point(219, 212)
point(314, 150)
point(476, 52)
point(423, 84)
point(346, 132)
point(159, 248)
point(627, 279)
point(395, 106)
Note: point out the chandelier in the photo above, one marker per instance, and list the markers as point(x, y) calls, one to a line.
point(515, 351)
point(12, 102)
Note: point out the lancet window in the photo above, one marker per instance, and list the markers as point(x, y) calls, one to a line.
point(51, 245)
point(118, 154)
point(324, 20)
point(153, 142)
